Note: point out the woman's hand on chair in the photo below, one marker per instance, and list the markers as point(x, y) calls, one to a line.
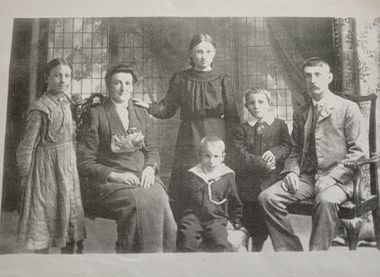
point(140, 103)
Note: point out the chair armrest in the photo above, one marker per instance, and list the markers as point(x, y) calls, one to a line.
point(357, 166)
point(375, 158)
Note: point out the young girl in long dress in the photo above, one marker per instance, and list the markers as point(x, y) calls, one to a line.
point(207, 105)
point(51, 213)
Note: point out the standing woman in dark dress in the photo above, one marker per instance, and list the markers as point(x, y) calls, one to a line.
point(207, 105)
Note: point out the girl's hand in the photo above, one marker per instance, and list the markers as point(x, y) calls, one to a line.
point(140, 103)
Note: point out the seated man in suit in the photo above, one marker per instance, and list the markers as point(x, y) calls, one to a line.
point(119, 158)
point(326, 131)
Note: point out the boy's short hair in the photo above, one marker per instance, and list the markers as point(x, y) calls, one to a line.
point(211, 140)
point(315, 61)
point(258, 90)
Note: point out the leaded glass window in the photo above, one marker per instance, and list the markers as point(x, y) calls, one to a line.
point(84, 41)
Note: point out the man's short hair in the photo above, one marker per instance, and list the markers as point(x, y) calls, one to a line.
point(314, 61)
point(121, 67)
point(211, 140)
point(258, 90)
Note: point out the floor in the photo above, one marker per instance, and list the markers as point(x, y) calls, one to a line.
point(338, 261)
point(101, 234)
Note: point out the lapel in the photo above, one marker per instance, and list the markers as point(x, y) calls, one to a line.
point(307, 116)
point(327, 108)
point(114, 120)
point(134, 119)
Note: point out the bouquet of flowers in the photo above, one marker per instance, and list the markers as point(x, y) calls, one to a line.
point(133, 141)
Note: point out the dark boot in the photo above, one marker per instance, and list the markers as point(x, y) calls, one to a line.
point(69, 248)
point(122, 247)
point(42, 251)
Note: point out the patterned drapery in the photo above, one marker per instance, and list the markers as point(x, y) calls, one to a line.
point(358, 42)
point(358, 45)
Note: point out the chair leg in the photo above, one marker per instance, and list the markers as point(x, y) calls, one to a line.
point(376, 226)
point(80, 247)
point(352, 227)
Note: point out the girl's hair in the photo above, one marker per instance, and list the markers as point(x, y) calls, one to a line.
point(55, 62)
point(198, 38)
point(258, 90)
point(211, 140)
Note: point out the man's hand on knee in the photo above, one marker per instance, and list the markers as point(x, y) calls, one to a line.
point(323, 183)
point(291, 182)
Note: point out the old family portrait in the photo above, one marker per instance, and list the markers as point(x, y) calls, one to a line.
point(170, 134)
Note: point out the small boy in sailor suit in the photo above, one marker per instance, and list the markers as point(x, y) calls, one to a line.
point(210, 201)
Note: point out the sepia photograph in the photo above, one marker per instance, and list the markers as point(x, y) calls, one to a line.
point(166, 142)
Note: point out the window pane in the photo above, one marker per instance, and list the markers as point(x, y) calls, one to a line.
point(75, 37)
point(68, 41)
point(68, 25)
point(77, 40)
point(87, 40)
point(78, 25)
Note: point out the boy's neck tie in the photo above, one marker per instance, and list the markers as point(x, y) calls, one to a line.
point(259, 126)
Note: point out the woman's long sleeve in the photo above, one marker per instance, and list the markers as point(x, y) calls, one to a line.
point(169, 105)
point(28, 143)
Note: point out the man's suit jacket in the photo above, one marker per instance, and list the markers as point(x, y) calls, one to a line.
point(340, 134)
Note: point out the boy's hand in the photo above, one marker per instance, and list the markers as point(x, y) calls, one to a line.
point(269, 159)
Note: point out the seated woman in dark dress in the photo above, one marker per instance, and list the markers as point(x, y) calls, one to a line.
point(119, 159)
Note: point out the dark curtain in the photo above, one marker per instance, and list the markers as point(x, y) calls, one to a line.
point(30, 36)
point(296, 39)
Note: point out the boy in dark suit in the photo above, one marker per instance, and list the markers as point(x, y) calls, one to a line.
point(261, 146)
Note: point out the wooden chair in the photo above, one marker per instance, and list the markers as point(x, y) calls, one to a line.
point(80, 110)
point(366, 195)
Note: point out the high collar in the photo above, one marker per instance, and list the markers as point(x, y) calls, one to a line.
point(202, 76)
point(62, 98)
point(325, 101)
point(268, 118)
point(125, 104)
